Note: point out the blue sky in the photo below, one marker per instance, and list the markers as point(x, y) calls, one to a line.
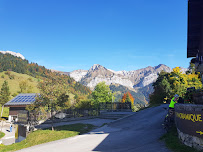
point(67, 35)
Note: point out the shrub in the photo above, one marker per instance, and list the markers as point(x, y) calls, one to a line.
point(84, 104)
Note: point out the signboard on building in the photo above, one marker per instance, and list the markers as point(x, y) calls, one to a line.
point(23, 117)
point(190, 122)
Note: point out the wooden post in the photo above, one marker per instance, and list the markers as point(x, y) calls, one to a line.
point(1, 117)
point(2, 110)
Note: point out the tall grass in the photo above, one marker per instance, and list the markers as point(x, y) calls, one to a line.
point(172, 142)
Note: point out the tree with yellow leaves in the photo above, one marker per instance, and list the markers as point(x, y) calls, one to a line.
point(172, 83)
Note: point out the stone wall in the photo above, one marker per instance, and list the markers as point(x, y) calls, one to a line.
point(191, 141)
point(189, 123)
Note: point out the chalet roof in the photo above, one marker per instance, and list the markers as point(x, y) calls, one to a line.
point(195, 12)
point(22, 99)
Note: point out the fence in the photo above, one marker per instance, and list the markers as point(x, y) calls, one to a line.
point(115, 106)
point(74, 113)
point(65, 115)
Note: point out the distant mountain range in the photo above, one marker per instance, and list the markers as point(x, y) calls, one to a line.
point(139, 81)
point(130, 79)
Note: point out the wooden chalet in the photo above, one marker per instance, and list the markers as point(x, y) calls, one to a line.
point(195, 33)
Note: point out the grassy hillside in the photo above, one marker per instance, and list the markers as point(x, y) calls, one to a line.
point(11, 63)
point(15, 78)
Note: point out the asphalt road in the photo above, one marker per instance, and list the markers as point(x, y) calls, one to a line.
point(137, 133)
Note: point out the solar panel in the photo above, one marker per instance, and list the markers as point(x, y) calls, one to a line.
point(15, 99)
point(23, 99)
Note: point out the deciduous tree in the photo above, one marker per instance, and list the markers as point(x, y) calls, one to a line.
point(102, 93)
point(127, 97)
point(176, 82)
point(53, 95)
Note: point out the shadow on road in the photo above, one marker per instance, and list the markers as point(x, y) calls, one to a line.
point(139, 132)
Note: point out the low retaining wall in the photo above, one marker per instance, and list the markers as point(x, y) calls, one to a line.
point(189, 123)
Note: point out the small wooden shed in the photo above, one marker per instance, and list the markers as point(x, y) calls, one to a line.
point(18, 104)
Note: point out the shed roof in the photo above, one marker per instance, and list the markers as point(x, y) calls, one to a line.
point(22, 99)
point(195, 12)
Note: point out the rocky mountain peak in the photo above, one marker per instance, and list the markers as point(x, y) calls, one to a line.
point(130, 79)
point(133, 80)
point(162, 67)
point(96, 67)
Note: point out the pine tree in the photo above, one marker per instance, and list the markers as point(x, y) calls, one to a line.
point(5, 93)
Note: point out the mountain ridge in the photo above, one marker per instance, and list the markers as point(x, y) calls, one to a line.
point(139, 81)
point(131, 79)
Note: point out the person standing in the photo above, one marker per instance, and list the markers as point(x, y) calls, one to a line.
point(169, 119)
point(11, 127)
point(174, 100)
point(171, 110)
